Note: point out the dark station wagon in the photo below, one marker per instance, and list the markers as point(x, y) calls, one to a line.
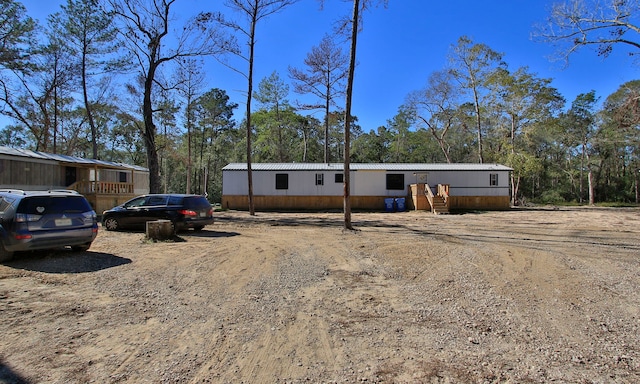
point(183, 210)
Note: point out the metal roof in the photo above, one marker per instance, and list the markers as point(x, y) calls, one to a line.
point(410, 167)
point(66, 159)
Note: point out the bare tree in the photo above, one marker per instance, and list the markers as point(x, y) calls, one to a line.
point(351, 26)
point(471, 65)
point(324, 77)
point(90, 35)
point(347, 115)
point(34, 96)
point(16, 32)
point(435, 106)
point(271, 94)
point(145, 30)
point(190, 81)
point(601, 23)
point(253, 11)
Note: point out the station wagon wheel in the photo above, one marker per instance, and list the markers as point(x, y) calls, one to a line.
point(111, 224)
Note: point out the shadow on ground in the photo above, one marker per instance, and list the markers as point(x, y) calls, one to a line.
point(66, 261)
point(9, 376)
point(208, 234)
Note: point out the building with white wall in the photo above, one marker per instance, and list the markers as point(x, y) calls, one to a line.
point(319, 186)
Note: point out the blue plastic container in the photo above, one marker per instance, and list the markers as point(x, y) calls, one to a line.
point(389, 205)
point(400, 204)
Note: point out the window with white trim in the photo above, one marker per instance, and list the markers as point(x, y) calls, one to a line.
point(493, 179)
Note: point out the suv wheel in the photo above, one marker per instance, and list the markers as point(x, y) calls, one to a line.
point(4, 254)
point(111, 224)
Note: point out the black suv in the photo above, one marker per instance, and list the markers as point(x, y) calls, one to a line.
point(184, 211)
point(34, 220)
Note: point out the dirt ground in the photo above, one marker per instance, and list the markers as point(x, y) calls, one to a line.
point(522, 296)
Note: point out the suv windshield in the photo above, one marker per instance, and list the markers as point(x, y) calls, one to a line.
point(41, 205)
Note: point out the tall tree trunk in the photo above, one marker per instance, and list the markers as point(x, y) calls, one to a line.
point(478, 122)
point(55, 112)
point(592, 197)
point(327, 157)
point(514, 184)
point(347, 116)
point(189, 162)
point(87, 107)
point(150, 134)
point(590, 182)
point(582, 173)
point(635, 182)
point(252, 209)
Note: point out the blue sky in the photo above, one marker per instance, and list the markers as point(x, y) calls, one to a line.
point(402, 44)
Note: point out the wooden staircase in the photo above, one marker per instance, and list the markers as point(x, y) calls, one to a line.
point(439, 205)
point(439, 202)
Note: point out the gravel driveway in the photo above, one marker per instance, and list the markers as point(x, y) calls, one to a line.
point(531, 296)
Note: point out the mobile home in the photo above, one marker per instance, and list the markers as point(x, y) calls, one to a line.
point(105, 184)
point(319, 186)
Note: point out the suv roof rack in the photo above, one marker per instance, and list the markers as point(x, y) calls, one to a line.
point(69, 191)
point(14, 191)
point(23, 192)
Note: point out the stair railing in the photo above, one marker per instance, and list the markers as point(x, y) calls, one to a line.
point(443, 191)
point(429, 193)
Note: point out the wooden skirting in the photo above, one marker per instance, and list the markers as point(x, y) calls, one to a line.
point(418, 200)
point(303, 202)
point(491, 203)
point(102, 202)
point(374, 203)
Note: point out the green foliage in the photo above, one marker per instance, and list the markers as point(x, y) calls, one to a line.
point(16, 34)
point(475, 110)
point(551, 197)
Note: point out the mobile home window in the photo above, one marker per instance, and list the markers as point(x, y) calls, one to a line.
point(493, 179)
point(395, 181)
point(339, 177)
point(319, 178)
point(282, 181)
point(122, 177)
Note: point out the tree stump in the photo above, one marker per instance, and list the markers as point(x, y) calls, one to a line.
point(159, 230)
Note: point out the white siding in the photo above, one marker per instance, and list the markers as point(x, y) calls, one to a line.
point(364, 182)
point(301, 183)
point(234, 183)
point(471, 183)
point(369, 183)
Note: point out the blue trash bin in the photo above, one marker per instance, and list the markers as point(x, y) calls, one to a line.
point(400, 204)
point(389, 205)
